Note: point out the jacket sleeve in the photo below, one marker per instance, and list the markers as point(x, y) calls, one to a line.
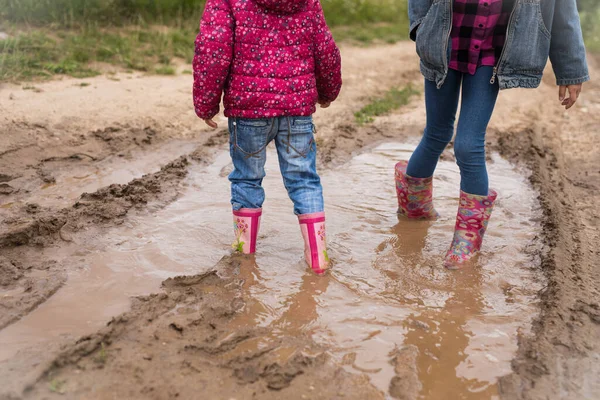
point(417, 10)
point(567, 49)
point(212, 59)
point(328, 61)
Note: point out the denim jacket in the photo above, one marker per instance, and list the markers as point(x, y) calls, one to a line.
point(537, 29)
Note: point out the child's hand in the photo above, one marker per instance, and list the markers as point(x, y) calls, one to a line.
point(325, 104)
point(574, 91)
point(211, 123)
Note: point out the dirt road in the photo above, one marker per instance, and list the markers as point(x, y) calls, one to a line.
point(76, 205)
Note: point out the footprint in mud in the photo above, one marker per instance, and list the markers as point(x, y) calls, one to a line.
point(388, 313)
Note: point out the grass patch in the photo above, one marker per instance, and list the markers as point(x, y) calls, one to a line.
point(102, 356)
point(376, 33)
point(80, 13)
point(591, 29)
point(41, 54)
point(165, 70)
point(590, 15)
point(392, 100)
point(74, 37)
point(57, 386)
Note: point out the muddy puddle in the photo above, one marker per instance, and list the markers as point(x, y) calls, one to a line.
point(387, 290)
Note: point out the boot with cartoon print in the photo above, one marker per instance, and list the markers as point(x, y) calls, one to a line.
point(472, 219)
point(415, 195)
point(246, 223)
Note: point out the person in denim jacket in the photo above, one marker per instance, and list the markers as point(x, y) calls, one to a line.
point(274, 60)
point(477, 48)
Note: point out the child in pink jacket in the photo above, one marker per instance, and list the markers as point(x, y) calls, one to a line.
point(274, 60)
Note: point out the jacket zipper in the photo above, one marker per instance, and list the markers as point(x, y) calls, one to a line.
point(495, 73)
point(447, 65)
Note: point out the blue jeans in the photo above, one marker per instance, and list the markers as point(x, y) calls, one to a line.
point(478, 102)
point(297, 151)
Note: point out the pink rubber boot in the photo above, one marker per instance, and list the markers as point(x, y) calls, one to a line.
point(474, 213)
point(415, 195)
point(315, 247)
point(246, 223)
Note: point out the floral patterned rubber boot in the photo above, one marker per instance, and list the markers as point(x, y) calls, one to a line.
point(415, 195)
point(474, 213)
point(315, 246)
point(246, 223)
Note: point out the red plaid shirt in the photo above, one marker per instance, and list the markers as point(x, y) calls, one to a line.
point(478, 34)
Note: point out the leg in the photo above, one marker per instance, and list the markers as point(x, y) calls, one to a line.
point(297, 153)
point(249, 139)
point(248, 149)
point(476, 199)
point(478, 102)
point(414, 180)
point(441, 105)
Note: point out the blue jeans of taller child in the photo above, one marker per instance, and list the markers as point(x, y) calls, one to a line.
point(297, 151)
point(478, 102)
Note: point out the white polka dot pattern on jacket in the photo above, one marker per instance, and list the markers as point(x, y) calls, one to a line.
point(271, 58)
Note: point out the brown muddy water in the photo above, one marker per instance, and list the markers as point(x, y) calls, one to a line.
point(387, 289)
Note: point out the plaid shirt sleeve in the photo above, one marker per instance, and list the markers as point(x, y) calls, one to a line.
point(478, 34)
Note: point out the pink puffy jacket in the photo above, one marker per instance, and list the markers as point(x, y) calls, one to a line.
point(271, 58)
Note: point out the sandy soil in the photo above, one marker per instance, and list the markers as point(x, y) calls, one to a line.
point(52, 137)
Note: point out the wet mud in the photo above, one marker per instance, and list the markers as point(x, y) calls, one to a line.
point(387, 322)
point(388, 315)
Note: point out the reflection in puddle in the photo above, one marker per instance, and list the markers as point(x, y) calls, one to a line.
point(388, 289)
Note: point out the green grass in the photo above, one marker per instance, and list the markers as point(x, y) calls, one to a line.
point(78, 13)
point(392, 100)
point(590, 15)
point(165, 70)
point(591, 29)
point(102, 355)
point(374, 33)
point(42, 54)
point(57, 386)
point(75, 37)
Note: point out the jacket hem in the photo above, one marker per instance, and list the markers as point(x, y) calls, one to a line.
point(431, 74)
point(514, 82)
point(572, 81)
point(261, 114)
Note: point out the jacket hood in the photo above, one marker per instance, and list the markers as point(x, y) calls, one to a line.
point(282, 6)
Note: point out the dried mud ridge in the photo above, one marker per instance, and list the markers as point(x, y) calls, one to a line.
point(43, 226)
point(180, 343)
point(568, 326)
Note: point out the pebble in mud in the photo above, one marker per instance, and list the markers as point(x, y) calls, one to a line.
point(6, 189)
point(6, 178)
point(405, 385)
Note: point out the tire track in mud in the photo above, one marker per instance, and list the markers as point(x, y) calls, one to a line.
point(562, 355)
